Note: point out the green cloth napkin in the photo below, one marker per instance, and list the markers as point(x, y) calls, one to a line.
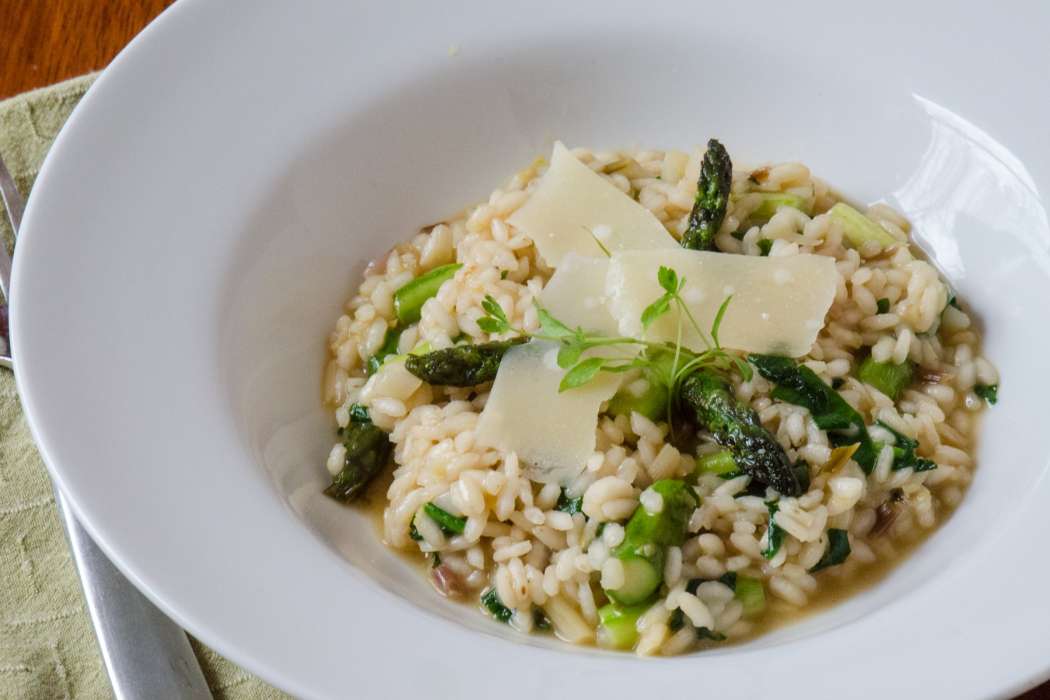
point(47, 646)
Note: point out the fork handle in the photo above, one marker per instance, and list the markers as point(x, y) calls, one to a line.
point(146, 655)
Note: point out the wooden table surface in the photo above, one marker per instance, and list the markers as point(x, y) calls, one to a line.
point(45, 41)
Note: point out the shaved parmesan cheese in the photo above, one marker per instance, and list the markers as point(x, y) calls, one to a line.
point(575, 295)
point(778, 304)
point(553, 433)
point(575, 208)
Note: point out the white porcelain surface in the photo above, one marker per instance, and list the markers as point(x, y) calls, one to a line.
point(216, 195)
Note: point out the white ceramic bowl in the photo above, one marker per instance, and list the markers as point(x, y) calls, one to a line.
point(214, 199)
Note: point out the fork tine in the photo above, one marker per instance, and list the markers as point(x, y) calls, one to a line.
point(14, 206)
point(13, 202)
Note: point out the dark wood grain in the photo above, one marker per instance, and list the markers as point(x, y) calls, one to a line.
point(45, 41)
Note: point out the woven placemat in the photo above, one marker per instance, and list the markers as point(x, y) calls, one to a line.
point(47, 646)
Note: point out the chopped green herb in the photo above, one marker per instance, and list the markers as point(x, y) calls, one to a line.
point(359, 414)
point(413, 532)
point(882, 305)
point(729, 578)
point(387, 349)
point(572, 506)
point(764, 246)
point(836, 553)
point(904, 452)
point(704, 633)
point(449, 524)
point(801, 469)
point(503, 274)
point(491, 602)
point(988, 392)
point(774, 535)
point(495, 319)
point(540, 620)
point(676, 621)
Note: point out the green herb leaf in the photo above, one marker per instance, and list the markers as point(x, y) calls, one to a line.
point(729, 579)
point(655, 310)
point(904, 452)
point(882, 305)
point(569, 354)
point(492, 308)
point(582, 373)
point(551, 326)
point(668, 279)
point(764, 246)
point(491, 325)
point(539, 620)
point(359, 414)
point(677, 620)
point(490, 600)
point(774, 535)
point(716, 324)
point(449, 524)
point(988, 392)
point(744, 368)
point(704, 633)
point(836, 553)
point(572, 506)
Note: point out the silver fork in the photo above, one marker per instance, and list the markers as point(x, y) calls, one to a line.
point(14, 207)
point(146, 654)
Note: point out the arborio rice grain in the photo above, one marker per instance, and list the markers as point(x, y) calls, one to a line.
point(889, 303)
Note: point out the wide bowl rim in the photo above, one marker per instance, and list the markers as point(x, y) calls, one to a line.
point(68, 146)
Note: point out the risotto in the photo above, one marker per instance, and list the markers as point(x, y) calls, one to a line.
point(645, 400)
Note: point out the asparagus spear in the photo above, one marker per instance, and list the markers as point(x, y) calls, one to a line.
point(859, 229)
point(772, 201)
point(367, 451)
point(646, 539)
point(460, 365)
point(619, 625)
point(800, 385)
point(737, 428)
point(712, 197)
point(409, 299)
